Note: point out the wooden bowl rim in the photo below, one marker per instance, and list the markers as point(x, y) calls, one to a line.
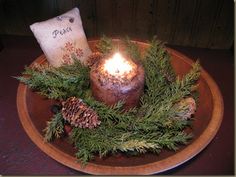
point(156, 167)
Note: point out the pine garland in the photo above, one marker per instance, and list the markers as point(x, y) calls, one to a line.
point(151, 127)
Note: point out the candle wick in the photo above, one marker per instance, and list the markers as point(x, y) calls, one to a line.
point(117, 70)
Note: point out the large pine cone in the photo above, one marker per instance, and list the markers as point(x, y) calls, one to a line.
point(78, 114)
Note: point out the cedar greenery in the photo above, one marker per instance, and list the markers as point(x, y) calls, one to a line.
point(151, 127)
point(57, 83)
point(105, 45)
point(55, 127)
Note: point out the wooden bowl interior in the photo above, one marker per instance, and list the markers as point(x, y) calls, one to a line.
point(38, 113)
point(39, 110)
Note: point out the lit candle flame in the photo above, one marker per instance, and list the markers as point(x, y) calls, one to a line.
point(117, 65)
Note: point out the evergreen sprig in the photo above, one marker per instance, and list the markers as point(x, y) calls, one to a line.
point(151, 127)
point(105, 45)
point(132, 49)
point(57, 83)
point(54, 128)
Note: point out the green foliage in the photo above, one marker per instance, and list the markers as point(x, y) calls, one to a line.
point(151, 127)
point(132, 49)
point(57, 83)
point(55, 127)
point(140, 146)
point(105, 45)
point(163, 88)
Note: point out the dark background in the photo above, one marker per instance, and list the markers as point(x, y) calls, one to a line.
point(196, 23)
point(197, 28)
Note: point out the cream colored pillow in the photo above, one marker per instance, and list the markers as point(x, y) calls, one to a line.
point(61, 38)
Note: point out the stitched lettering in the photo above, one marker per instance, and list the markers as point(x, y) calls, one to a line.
point(61, 32)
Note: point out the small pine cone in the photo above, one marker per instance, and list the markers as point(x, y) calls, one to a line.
point(185, 108)
point(67, 129)
point(78, 114)
point(93, 59)
point(40, 67)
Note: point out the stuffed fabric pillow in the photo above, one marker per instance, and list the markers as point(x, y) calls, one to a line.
point(62, 38)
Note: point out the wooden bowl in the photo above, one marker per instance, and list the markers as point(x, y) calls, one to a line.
point(34, 111)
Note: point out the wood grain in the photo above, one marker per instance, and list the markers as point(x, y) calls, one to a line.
point(196, 23)
point(88, 15)
point(33, 109)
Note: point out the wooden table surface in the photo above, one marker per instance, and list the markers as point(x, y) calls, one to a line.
point(20, 156)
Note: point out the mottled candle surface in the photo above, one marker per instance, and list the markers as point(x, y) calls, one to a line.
point(117, 78)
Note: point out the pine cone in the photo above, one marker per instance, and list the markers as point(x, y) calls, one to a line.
point(78, 114)
point(185, 108)
point(93, 58)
